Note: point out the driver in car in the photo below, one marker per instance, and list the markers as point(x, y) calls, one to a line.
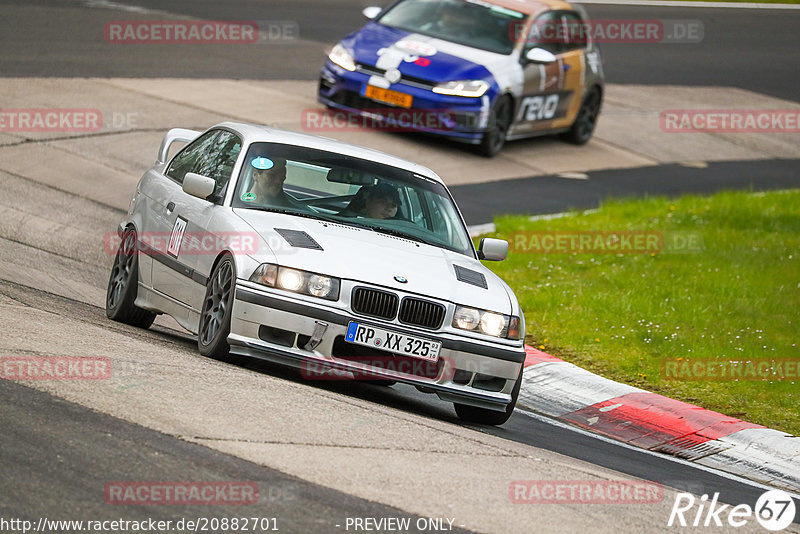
point(268, 177)
point(454, 20)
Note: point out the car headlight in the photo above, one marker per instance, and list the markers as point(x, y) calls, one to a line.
point(342, 57)
point(472, 88)
point(297, 281)
point(486, 322)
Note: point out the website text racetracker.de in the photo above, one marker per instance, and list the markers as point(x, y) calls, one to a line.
point(153, 526)
point(385, 119)
point(546, 31)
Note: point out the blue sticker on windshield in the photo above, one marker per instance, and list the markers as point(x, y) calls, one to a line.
point(262, 163)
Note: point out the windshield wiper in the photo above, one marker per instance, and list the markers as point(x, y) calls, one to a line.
point(306, 214)
point(309, 215)
point(349, 222)
point(400, 233)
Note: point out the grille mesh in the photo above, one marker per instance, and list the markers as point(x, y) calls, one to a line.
point(375, 303)
point(421, 313)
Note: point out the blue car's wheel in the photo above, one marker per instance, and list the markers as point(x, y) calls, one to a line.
point(586, 121)
point(499, 121)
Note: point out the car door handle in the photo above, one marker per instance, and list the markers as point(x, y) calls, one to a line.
point(170, 207)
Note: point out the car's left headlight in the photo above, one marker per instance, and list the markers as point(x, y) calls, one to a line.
point(486, 322)
point(342, 57)
point(473, 88)
point(297, 281)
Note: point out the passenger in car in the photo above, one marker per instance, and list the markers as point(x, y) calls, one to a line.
point(380, 201)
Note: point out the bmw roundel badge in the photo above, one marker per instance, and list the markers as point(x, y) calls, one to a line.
point(401, 279)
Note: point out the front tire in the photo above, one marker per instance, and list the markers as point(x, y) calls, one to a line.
point(215, 317)
point(586, 121)
point(494, 138)
point(473, 414)
point(123, 285)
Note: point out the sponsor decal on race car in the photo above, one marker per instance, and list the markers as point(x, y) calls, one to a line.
point(544, 106)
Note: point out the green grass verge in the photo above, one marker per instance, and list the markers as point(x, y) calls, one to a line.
point(735, 298)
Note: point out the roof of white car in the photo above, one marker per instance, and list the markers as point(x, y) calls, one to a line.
point(256, 133)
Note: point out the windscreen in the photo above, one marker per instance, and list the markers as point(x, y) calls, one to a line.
point(471, 23)
point(324, 185)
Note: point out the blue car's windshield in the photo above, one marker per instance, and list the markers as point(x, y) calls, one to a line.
point(476, 24)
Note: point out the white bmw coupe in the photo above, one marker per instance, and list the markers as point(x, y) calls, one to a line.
point(344, 262)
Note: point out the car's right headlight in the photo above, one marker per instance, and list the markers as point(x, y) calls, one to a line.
point(342, 57)
point(468, 88)
point(486, 322)
point(297, 281)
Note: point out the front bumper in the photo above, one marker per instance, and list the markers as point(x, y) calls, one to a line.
point(458, 118)
point(273, 326)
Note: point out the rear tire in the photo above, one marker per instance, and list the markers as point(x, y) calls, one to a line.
point(215, 317)
point(494, 138)
point(123, 285)
point(586, 121)
point(483, 416)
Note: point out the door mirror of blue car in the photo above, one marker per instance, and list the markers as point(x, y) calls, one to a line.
point(540, 55)
point(371, 12)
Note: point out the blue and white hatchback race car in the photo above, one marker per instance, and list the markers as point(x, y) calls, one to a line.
point(477, 71)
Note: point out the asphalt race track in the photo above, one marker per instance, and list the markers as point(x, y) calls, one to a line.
point(320, 453)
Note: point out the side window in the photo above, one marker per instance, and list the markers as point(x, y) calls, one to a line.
point(546, 32)
point(415, 212)
point(576, 31)
point(187, 158)
point(218, 161)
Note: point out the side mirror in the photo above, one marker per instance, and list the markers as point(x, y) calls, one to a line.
point(492, 249)
point(198, 185)
point(540, 55)
point(371, 12)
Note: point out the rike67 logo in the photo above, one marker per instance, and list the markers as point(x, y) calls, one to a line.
point(774, 510)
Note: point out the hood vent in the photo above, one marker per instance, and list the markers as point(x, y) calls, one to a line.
point(470, 277)
point(298, 238)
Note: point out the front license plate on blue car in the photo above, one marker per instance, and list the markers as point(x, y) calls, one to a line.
point(369, 336)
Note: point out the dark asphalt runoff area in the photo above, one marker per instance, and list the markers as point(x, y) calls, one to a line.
point(480, 203)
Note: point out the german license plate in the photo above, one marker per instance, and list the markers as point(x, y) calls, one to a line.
point(388, 96)
point(416, 347)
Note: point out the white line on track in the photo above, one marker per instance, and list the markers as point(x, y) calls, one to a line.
point(108, 4)
point(723, 474)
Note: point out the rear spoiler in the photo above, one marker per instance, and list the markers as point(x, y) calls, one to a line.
point(176, 134)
